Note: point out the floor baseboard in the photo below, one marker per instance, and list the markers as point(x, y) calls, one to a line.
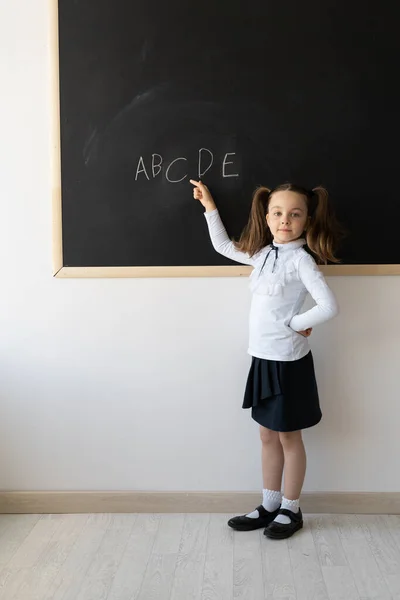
point(51, 502)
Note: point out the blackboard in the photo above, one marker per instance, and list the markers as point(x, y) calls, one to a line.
point(149, 93)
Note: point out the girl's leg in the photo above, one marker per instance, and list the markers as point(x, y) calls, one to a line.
point(272, 459)
point(272, 468)
point(295, 470)
point(295, 463)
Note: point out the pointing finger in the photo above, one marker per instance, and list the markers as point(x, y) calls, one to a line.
point(197, 183)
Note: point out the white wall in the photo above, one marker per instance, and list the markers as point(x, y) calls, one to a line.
point(137, 384)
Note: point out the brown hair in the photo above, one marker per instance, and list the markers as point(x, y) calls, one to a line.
point(323, 231)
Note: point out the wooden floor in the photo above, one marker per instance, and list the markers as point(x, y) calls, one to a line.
point(196, 556)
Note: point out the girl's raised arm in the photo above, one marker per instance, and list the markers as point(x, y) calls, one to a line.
point(219, 237)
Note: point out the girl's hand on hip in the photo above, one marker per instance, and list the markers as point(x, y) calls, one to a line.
point(306, 332)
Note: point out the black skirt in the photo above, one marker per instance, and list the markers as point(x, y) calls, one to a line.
point(283, 395)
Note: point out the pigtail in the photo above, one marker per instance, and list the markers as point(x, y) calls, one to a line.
point(256, 235)
point(323, 232)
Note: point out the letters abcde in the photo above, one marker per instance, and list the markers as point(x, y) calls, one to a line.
point(175, 170)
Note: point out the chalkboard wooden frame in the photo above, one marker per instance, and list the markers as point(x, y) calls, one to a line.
point(62, 271)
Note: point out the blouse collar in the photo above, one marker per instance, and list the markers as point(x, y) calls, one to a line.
point(290, 245)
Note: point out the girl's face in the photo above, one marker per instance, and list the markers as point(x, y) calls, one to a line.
point(287, 216)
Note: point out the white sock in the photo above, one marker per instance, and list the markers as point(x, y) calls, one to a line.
point(271, 501)
point(292, 505)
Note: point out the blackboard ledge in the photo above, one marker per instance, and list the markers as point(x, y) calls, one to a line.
point(209, 271)
point(146, 272)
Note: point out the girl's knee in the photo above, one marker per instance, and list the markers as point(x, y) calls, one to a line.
point(290, 439)
point(268, 436)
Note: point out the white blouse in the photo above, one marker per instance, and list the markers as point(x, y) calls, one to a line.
point(282, 276)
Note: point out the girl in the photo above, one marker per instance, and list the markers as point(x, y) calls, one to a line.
point(281, 388)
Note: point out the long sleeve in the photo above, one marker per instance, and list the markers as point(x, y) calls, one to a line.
point(326, 306)
point(221, 241)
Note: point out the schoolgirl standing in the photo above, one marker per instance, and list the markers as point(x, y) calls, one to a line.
point(281, 388)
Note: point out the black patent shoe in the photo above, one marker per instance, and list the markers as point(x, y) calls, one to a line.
point(243, 523)
point(279, 531)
